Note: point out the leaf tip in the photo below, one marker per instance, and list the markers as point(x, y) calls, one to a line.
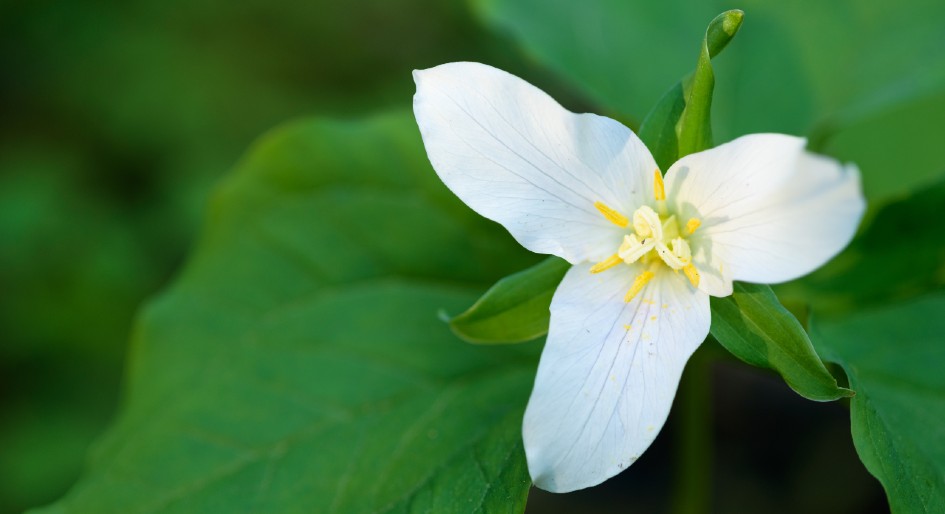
point(444, 316)
point(722, 29)
point(732, 21)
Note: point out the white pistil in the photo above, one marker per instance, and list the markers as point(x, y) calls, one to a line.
point(676, 255)
point(646, 223)
point(633, 248)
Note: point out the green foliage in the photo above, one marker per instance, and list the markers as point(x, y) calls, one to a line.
point(893, 357)
point(753, 325)
point(298, 365)
point(515, 309)
point(680, 123)
point(695, 126)
point(621, 54)
point(865, 78)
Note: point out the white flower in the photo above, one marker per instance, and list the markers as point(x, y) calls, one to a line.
point(646, 254)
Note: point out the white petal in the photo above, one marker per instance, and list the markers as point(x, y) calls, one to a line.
point(770, 210)
point(515, 156)
point(608, 373)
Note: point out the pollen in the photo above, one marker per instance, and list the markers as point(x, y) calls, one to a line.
point(692, 225)
point(692, 274)
point(612, 215)
point(659, 190)
point(606, 264)
point(638, 284)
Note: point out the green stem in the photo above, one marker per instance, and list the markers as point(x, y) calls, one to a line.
point(694, 436)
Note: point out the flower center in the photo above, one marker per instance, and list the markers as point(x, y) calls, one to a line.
point(656, 238)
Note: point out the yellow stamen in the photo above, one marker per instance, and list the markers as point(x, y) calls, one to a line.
point(612, 216)
point(606, 264)
point(692, 225)
point(638, 284)
point(692, 274)
point(659, 190)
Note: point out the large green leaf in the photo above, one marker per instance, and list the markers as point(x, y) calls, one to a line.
point(894, 359)
point(753, 325)
point(782, 76)
point(298, 364)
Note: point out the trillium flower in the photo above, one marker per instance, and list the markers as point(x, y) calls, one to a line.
point(647, 250)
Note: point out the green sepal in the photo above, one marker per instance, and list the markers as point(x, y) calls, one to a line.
point(753, 325)
point(515, 309)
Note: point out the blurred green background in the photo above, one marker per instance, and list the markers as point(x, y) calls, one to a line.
point(116, 120)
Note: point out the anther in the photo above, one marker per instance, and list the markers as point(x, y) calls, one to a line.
point(692, 274)
point(659, 190)
point(692, 225)
point(638, 284)
point(606, 264)
point(612, 216)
